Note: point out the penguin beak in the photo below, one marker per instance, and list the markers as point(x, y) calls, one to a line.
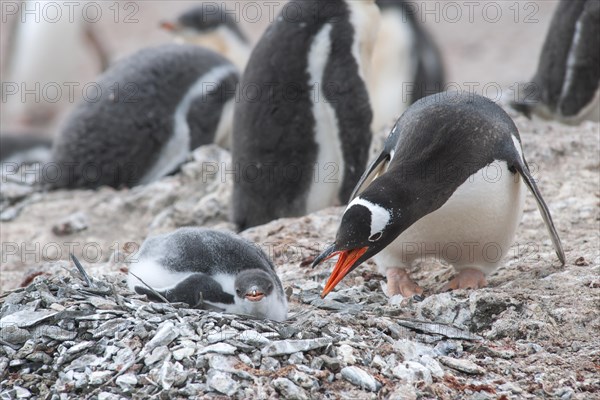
point(169, 26)
point(347, 261)
point(254, 295)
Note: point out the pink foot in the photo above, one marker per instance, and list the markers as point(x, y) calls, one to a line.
point(468, 278)
point(398, 282)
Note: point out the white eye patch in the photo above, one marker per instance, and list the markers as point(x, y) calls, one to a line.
point(380, 217)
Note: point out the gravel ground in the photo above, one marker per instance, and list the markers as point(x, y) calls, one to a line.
point(533, 333)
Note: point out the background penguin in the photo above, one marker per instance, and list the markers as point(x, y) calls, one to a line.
point(407, 62)
point(566, 86)
point(47, 52)
point(302, 125)
point(210, 26)
point(152, 108)
point(450, 183)
point(208, 268)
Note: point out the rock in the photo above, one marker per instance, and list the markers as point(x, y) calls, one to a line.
point(99, 377)
point(127, 381)
point(164, 335)
point(15, 335)
point(346, 353)
point(172, 374)
point(333, 364)
point(288, 390)
point(26, 318)
point(219, 348)
point(403, 392)
point(462, 365)
point(297, 358)
point(184, 352)
point(221, 382)
point(302, 379)
point(283, 347)
point(73, 223)
point(412, 371)
point(360, 378)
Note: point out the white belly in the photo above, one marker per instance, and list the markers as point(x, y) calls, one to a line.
point(474, 228)
point(329, 167)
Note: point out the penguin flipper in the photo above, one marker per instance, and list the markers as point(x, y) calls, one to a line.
point(530, 182)
point(195, 290)
point(374, 169)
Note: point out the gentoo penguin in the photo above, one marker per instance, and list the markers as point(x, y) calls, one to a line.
point(566, 86)
point(450, 183)
point(143, 116)
point(210, 26)
point(302, 125)
point(209, 269)
point(48, 50)
point(408, 62)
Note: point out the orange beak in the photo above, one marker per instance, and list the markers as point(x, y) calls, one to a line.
point(255, 296)
point(168, 26)
point(344, 264)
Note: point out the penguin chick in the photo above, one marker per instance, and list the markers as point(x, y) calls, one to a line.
point(450, 184)
point(566, 86)
point(302, 124)
point(148, 112)
point(210, 26)
point(408, 62)
point(209, 269)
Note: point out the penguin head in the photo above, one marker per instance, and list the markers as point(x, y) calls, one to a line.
point(253, 286)
point(256, 294)
point(205, 25)
point(367, 227)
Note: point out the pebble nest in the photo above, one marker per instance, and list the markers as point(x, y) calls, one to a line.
point(533, 333)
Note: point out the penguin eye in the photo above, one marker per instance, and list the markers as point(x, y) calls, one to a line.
point(375, 237)
point(238, 291)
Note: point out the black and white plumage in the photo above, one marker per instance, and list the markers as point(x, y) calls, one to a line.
point(566, 86)
point(209, 269)
point(302, 125)
point(407, 62)
point(211, 26)
point(450, 183)
point(155, 107)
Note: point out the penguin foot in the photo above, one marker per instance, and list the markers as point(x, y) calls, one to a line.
point(398, 282)
point(468, 278)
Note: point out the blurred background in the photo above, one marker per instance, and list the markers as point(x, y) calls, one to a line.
point(485, 45)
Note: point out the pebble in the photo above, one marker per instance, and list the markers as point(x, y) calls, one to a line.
point(412, 371)
point(360, 378)
point(288, 390)
point(283, 347)
point(466, 366)
point(221, 382)
point(219, 348)
point(346, 353)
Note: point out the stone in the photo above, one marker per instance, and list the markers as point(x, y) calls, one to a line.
point(360, 378)
point(288, 390)
point(462, 365)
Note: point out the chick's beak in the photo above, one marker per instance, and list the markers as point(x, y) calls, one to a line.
point(254, 295)
point(344, 265)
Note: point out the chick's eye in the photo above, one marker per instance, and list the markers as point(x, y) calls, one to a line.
point(375, 237)
point(238, 291)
